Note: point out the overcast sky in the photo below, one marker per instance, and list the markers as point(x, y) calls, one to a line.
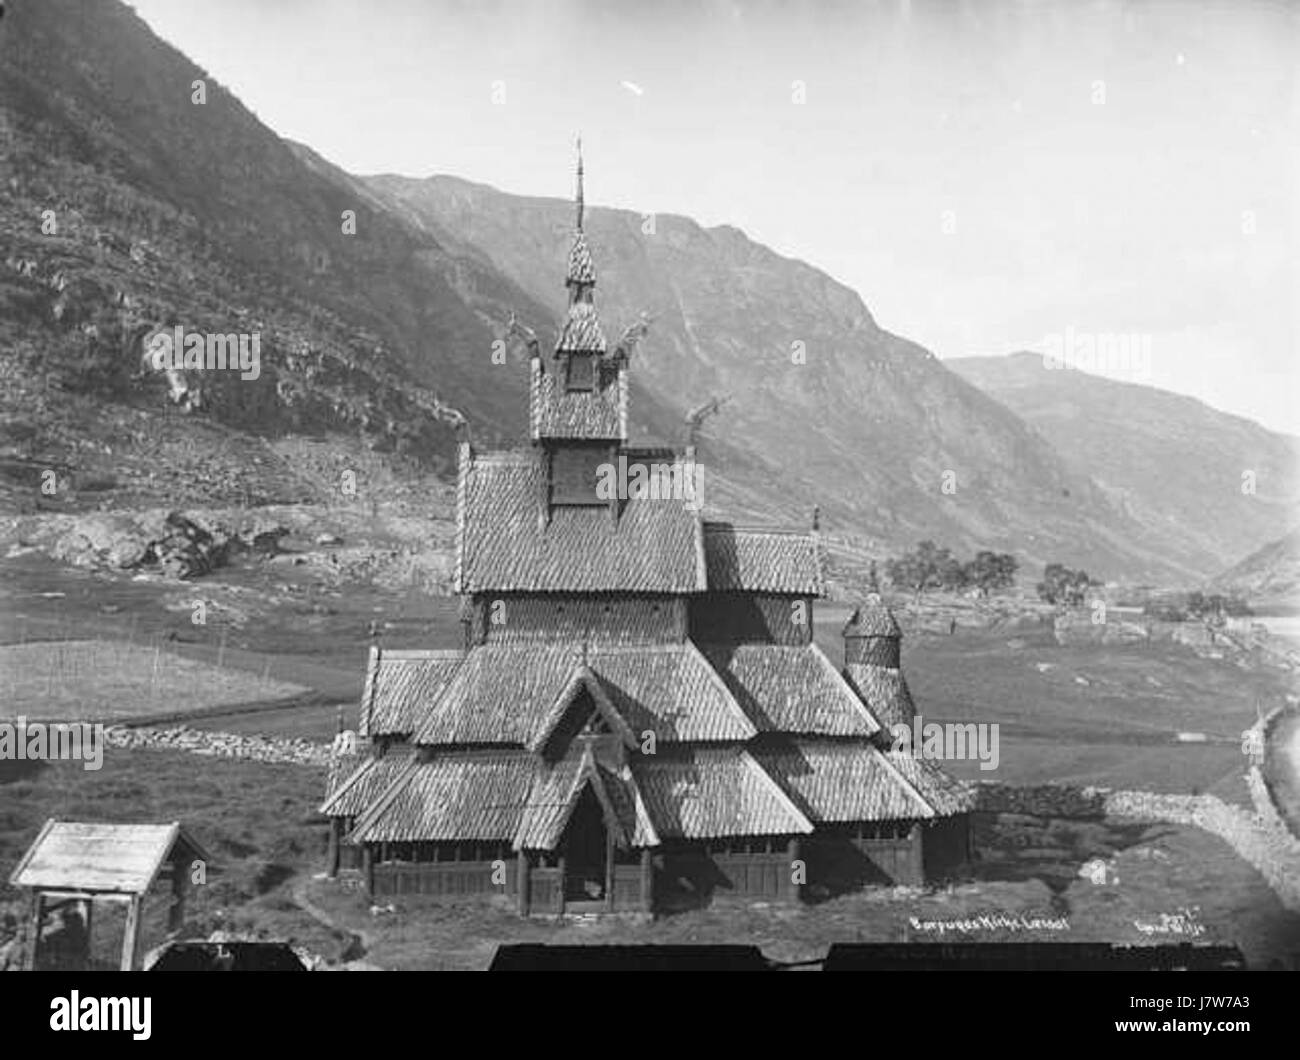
point(984, 174)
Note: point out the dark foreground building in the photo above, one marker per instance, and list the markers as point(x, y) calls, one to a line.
point(639, 718)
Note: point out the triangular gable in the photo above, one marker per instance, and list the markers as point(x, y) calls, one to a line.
point(582, 679)
point(545, 833)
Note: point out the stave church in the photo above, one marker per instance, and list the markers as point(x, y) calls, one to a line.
point(638, 719)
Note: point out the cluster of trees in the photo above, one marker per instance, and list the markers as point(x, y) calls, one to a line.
point(1214, 607)
point(1061, 585)
point(930, 567)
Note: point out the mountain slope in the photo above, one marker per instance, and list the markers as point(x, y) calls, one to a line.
point(867, 426)
point(1271, 573)
point(168, 211)
point(1177, 465)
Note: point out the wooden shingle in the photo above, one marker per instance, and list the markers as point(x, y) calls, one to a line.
point(791, 689)
point(760, 560)
point(504, 545)
point(705, 793)
point(101, 858)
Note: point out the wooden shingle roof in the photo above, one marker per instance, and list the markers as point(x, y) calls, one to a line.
point(835, 782)
point(555, 794)
point(703, 793)
point(581, 331)
point(872, 619)
point(762, 560)
point(580, 268)
point(672, 691)
point(503, 545)
point(478, 795)
point(399, 687)
point(514, 693)
point(946, 794)
point(371, 775)
point(885, 691)
point(99, 858)
point(501, 693)
point(791, 689)
point(600, 413)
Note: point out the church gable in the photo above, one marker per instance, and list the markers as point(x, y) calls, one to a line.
point(581, 710)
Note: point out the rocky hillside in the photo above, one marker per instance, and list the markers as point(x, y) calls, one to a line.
point(1271, 573)
point(1171, 462)
point(128, 206)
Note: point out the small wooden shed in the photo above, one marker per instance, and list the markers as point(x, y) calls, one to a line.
point(73, 862)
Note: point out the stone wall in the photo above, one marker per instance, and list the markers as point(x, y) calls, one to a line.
point(1261, 838)
point(1041, 800)
point(221, 745)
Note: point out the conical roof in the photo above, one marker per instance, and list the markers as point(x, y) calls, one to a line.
point(872, 619)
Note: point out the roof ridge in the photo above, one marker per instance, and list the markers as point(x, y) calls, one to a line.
point(722, 526)
point(407, 654)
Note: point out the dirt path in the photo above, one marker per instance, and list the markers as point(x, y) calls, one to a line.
point(362, 941)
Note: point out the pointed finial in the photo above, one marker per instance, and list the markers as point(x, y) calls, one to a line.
point(580, 182)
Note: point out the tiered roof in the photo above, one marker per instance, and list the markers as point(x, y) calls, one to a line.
point(749, 740)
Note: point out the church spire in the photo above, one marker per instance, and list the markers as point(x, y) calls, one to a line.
point(579, 183)
point(580, 277)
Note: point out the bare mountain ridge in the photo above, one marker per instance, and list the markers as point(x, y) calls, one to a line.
point(1220, 484)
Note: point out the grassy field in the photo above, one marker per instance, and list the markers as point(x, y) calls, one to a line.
point(104, 680)
point(256, 821)
point(1083, 714)
point(1088, 714)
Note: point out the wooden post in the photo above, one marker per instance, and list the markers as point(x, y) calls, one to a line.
point(918, 863)
point(176, 911)
point(368, 868)
point(332, 854)
point(647, 880)
point(34, 930)
point(561, 890)
point(131, 938)
point(90, 941)
point(792, 855)
point(609, 870)
point(522, 882)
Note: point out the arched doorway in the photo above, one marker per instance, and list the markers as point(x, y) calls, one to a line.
point(586, 848)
